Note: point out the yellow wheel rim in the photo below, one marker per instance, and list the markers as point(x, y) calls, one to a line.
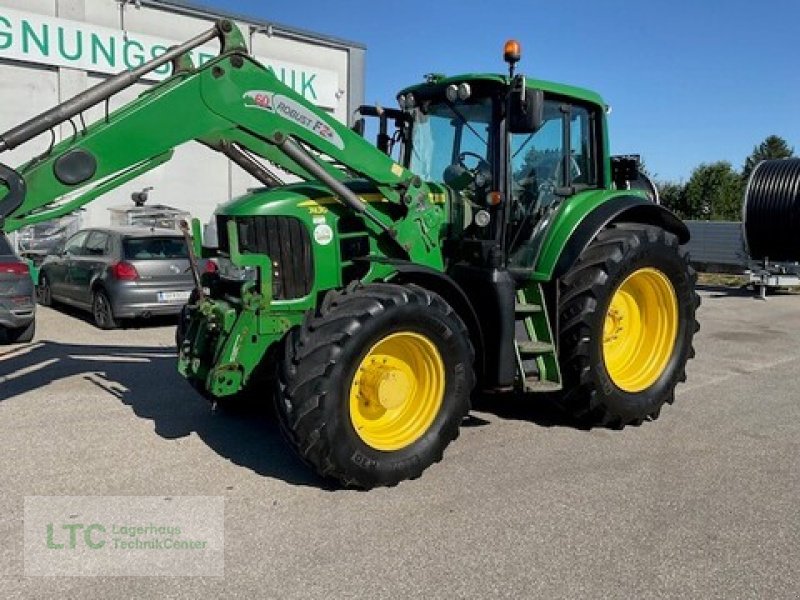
point(640, 329)
point(397, 391)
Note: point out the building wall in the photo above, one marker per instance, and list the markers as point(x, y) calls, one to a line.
point(196, 179)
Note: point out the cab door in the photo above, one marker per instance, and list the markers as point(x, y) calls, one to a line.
point(548, 167)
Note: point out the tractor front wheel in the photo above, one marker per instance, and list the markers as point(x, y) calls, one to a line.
point(627, 319)
point(375, 385)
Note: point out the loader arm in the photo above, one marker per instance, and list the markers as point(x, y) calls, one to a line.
point(231, 104)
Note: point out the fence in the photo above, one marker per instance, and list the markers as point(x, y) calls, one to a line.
point(717, 246)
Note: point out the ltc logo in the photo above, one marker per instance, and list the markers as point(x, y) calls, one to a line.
point(71, 541)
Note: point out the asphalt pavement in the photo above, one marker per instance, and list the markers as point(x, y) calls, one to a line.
point(702, 503)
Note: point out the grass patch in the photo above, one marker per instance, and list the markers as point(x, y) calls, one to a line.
point(722, 279)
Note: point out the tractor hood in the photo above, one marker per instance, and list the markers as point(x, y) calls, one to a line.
point(295, 200)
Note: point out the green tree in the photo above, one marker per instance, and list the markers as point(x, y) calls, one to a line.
point(773, 146)
point(714, 192)
point(673, 197)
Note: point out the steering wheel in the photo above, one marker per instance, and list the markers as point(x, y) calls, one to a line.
point(481, 166)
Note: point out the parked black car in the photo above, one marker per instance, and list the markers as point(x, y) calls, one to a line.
point(119, 273)
point(17, 300)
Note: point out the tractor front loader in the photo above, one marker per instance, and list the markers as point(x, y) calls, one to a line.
point(502, 249)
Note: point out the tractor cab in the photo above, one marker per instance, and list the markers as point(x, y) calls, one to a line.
point(509, 150)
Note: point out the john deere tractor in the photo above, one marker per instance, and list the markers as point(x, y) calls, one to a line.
point(487, 243)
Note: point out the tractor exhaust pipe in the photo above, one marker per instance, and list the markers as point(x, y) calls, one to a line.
point(102, 91)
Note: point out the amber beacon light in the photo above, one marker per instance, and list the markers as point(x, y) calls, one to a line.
point(512, 52)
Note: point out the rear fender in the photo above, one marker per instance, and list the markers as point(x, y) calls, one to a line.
point(569, 236)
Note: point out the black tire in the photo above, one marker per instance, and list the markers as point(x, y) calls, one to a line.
point(590, 394)
point(181, 328)
point(20, 335)
point(321, 359)
point(102, 311)
point(44, 292)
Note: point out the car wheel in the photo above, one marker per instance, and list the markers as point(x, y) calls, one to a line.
point(21, 334)
point(102, 312)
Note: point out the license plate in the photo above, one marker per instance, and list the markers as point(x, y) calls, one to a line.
point(173, 296)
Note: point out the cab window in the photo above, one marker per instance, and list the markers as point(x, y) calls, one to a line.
point(581, 140)
point(546, 166)
point(539, 161)
point(446, 134)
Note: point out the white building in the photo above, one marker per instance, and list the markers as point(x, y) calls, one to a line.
point(50, 50)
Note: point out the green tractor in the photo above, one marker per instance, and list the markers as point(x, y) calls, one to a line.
point(489, 243)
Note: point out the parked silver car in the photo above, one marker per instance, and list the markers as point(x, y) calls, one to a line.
point(17, 303)
point(119, 273)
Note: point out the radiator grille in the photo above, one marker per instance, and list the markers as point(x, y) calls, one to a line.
point(285, 240)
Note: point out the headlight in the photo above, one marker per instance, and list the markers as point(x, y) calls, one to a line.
point(227, 270)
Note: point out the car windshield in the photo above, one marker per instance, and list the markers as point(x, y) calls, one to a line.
point(444, 131)
point(154, 248)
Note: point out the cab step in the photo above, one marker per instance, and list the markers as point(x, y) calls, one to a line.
point(534, 384)
point(527, 309)
point(537, 362)
point(534, 348)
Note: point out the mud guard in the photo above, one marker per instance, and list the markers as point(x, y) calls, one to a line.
point(629, 209)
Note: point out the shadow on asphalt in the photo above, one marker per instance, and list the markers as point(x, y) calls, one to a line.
point(145, 378)
point(139, 323)
point(542, 409)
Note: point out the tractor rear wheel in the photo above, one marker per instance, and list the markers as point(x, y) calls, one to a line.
point(627, 319)
point(375, 385)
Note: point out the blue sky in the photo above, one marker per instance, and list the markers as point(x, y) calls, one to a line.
point(689, 82)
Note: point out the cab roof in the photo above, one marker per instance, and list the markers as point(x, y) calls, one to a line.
point(486, 80)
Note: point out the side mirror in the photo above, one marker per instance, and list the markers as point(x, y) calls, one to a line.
point(526, 108)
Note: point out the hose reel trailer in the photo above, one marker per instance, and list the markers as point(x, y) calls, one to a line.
point(771, 220)
point(771, 211)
